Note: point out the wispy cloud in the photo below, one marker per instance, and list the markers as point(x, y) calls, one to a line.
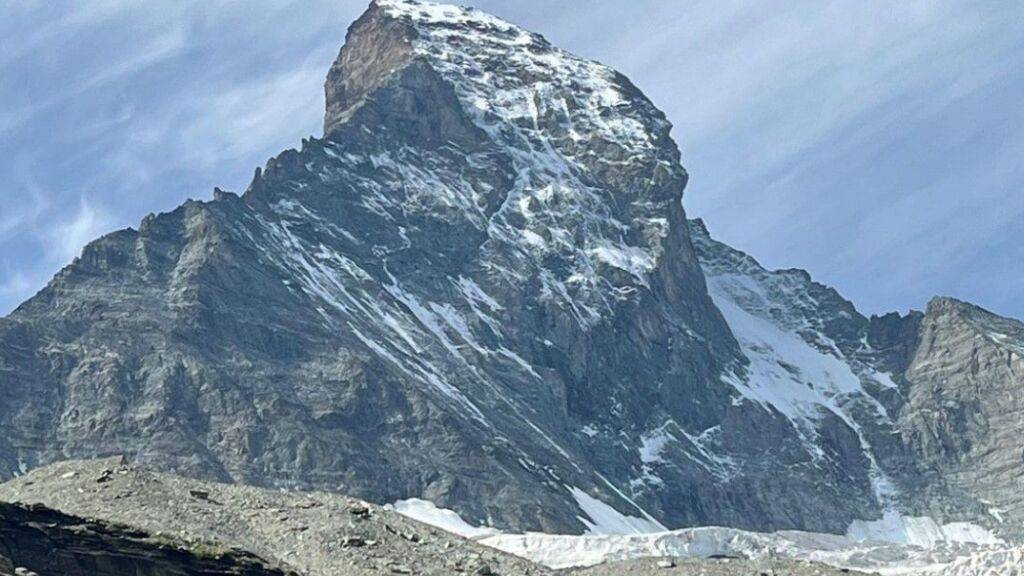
point(66, 240)
point(25, 200)
point(241, 120)
point(14, 284)
point(167, 45)
point(845, 137)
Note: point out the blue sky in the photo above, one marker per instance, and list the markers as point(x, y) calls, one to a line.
point(879, 145)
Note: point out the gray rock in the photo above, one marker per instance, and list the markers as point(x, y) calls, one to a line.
point(963, 421)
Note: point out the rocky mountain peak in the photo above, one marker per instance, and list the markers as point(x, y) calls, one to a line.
point(951, 318)
point(946, 305)
point(556, 111)
point(574, 168)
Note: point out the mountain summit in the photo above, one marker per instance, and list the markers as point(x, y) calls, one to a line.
point(480, 288)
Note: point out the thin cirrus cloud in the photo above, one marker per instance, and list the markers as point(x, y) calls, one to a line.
point(66, 239)
point(871, 143)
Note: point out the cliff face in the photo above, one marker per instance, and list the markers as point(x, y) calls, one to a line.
point(479, 288)
point(963, 421)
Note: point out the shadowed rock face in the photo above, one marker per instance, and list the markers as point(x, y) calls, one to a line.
point(45, 542)
point(479, 288)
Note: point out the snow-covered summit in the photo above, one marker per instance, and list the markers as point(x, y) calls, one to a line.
point(511, 77)
point(592, 178)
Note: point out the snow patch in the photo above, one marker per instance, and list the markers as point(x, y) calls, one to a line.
point(554, 193)
point(652, 444)
point(793, 377)
point(785, 372)
point(636, 261)
point(428, 513)
point(884, 379)
point(603, 519)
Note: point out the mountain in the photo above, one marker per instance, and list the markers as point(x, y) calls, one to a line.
point(480, 288)
point(934, 399)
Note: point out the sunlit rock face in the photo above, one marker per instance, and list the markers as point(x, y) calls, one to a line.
point(479, 287)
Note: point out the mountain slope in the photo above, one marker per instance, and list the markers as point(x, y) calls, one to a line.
point(430, 301)
point(934, 398)
point(478, 288)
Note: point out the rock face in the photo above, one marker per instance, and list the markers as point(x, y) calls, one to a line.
point(480, 288)
point(963, 421)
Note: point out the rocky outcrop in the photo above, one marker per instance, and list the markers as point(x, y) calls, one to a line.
point(37, 541)
point(963, 420)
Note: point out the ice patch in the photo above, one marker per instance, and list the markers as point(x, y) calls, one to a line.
point(918, 531)
point(563, 551)
point(945, 557)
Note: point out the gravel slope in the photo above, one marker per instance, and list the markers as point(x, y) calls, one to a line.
point(313, 533)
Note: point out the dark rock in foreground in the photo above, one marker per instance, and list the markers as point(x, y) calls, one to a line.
point(38, 541)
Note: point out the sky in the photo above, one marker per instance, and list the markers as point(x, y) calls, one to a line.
point(878, 145)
